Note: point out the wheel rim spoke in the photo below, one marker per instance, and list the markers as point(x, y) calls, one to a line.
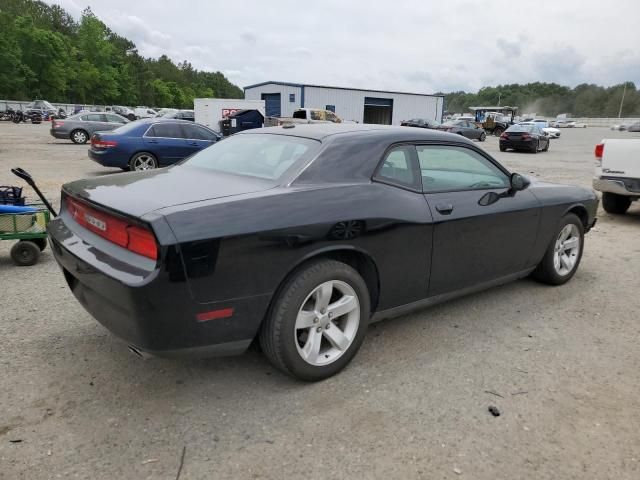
point(305, 319)
point(323, 296)
point(571, 243)
point(311, 348)
point(337, 338)
point(345, 305)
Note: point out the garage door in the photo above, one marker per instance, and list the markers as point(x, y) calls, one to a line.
point(271, 104)
point(378, 110)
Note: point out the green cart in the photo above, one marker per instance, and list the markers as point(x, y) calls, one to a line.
point(26, 224)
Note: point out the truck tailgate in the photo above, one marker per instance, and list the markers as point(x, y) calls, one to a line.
point(621, 158)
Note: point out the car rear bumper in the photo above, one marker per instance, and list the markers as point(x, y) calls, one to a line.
point(58, 134)
point(517, 144)
point(151, 310)
point(628, 187)
point(107, 158)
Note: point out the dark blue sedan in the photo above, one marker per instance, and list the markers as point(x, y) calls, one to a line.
point(149, 143)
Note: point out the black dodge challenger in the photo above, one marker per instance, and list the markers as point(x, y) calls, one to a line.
point(300, 236)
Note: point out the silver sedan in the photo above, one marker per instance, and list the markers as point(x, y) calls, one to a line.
point(79, 128)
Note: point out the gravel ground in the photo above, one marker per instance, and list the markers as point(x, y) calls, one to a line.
point(561, 364)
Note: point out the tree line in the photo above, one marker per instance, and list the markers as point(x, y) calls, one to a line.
point(46, 54)
point(551, 99)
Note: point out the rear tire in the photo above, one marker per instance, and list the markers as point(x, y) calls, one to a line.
point(143, 161)
point(614, 203)
point(333, 298)
point(560, 262)
point(503, 149)
point(79, 137)
point(536, 147)
point(25, 253)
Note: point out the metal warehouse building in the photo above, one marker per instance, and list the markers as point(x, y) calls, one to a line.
point(364, 106)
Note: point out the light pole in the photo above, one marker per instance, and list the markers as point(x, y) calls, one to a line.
point(624, 91)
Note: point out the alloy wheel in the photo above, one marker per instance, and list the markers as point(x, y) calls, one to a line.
point(79, 137)
point(144, 162)
point(327, 323)
point(567, 249)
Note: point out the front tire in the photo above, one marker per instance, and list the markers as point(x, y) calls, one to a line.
point(79, 136)
point(614, 203)
point(483, 137)
point(143, 161)
point(564, 253)
point(317, 322)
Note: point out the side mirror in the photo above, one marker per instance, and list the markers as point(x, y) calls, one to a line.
point(518, 182)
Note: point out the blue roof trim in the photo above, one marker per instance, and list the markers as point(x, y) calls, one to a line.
point(303, 85)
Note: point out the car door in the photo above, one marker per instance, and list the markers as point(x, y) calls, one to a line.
point(197, 137)
point(95, 122)
point(166, 141)
point(477, 237)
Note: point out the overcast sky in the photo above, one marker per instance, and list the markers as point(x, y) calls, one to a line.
point(409, 45)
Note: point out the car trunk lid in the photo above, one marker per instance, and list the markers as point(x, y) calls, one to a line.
point(138, 193)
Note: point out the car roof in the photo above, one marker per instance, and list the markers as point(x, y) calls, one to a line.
point(163, 119)
point(321, 131)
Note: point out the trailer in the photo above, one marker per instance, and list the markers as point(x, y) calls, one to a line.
point(209, 111)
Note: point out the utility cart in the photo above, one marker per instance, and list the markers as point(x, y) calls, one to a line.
point(25, 223)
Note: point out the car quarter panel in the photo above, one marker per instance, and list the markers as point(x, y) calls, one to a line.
point(247, 245)
point(556, 201)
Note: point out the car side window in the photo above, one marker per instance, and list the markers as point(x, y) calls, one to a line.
point(115, 119)
point(449, 168)
point(94, 117)
point(398, 167)
point(166, 130)
point(194, 132)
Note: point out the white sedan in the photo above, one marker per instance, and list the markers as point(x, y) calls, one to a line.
point(550, 131)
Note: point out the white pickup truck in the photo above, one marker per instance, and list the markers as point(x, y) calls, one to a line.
point(618, 173)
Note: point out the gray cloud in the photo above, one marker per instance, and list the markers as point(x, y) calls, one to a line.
point(414, 46)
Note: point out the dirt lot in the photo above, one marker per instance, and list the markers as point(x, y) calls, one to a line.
point(562, 365)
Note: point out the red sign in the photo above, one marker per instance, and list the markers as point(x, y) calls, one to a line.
point(229, 111)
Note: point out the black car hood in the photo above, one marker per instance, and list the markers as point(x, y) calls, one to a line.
point(138, 193)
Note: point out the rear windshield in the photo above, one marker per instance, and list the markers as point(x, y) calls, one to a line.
point(127, 127)
point(521, 128)
point(256, 155)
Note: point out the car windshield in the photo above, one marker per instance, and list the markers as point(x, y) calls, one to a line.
point(256, 155)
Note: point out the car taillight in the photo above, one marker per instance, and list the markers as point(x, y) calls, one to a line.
point(134, 238)
point(99, 143)
point(599, 150)
point(526, 136)
point(505, 135)
point(57, 123)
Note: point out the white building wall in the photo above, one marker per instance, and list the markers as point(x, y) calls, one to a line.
point(286, 107)
point(350, 103)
